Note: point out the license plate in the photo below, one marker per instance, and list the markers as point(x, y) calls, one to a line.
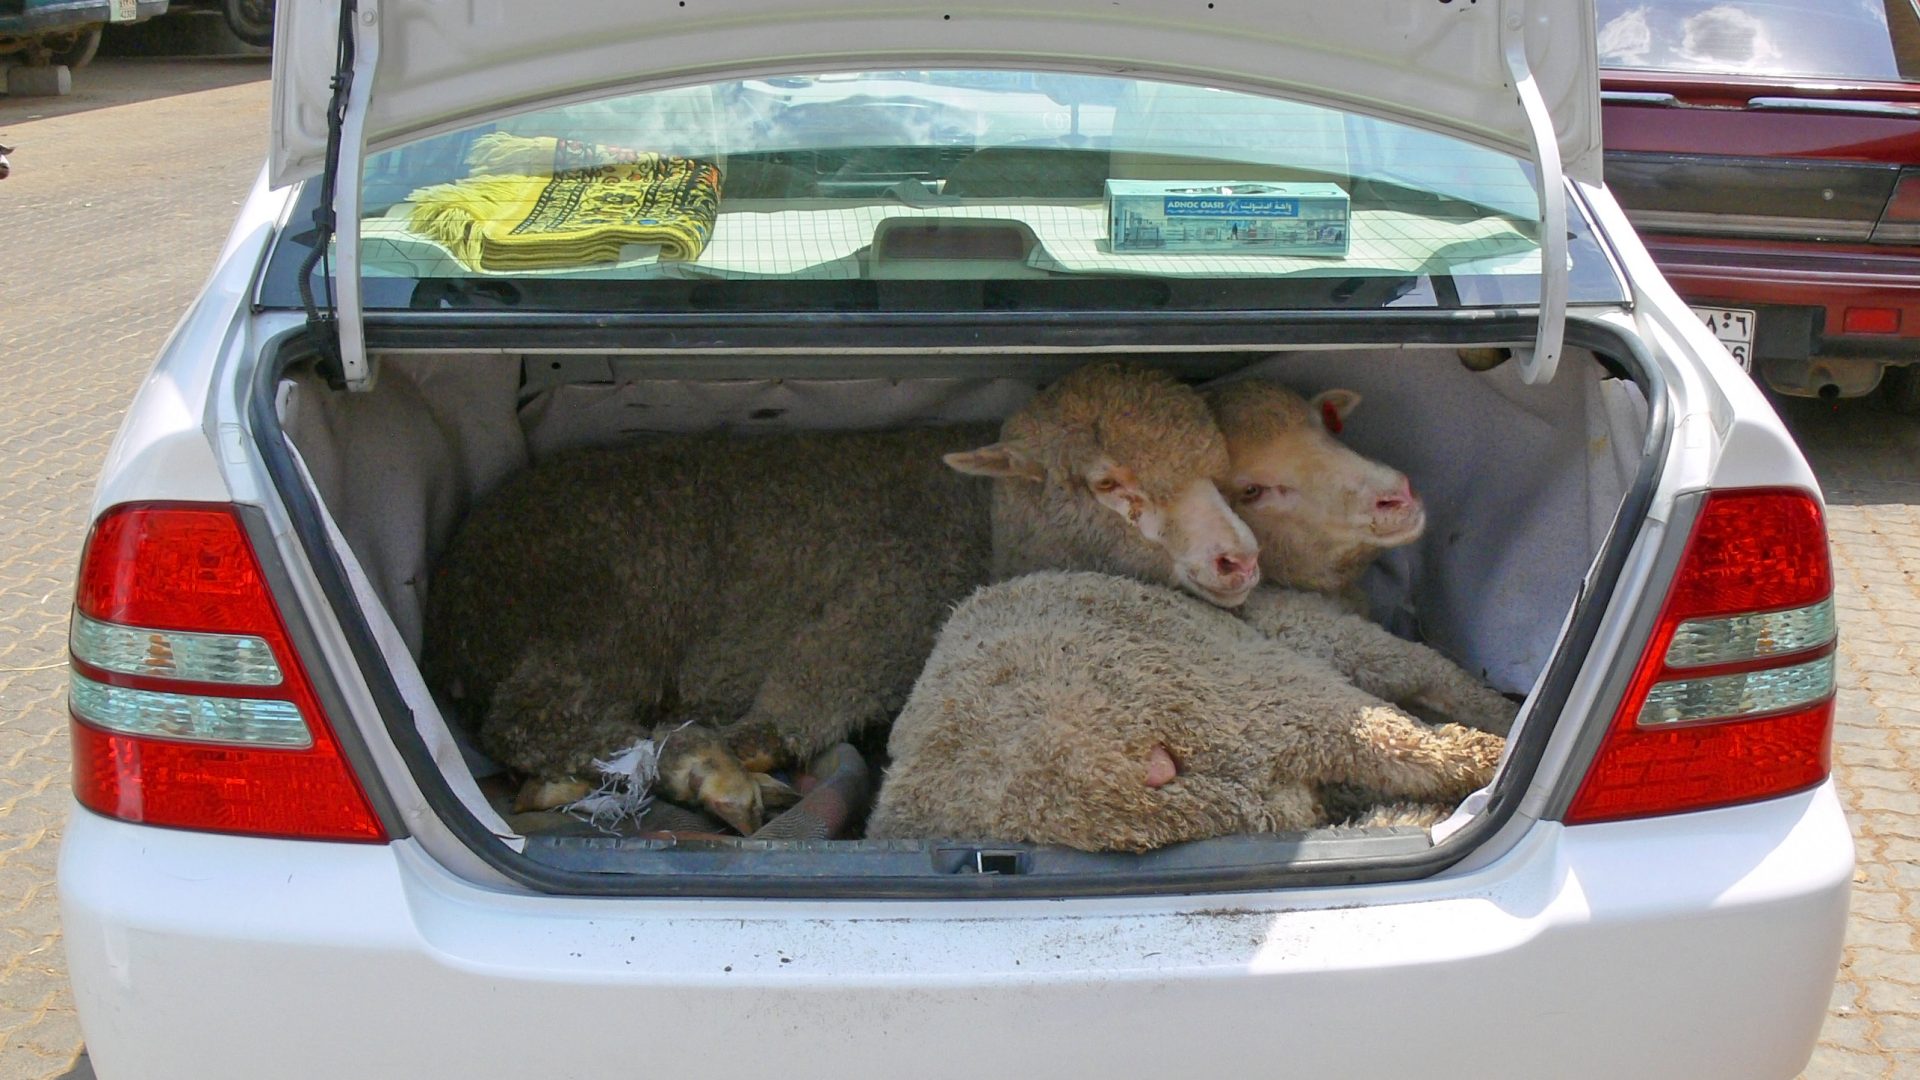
point(1734, 328)
point(124, 11)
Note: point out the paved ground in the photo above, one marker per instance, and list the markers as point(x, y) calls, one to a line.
point(1869, 464)
point(119, 201)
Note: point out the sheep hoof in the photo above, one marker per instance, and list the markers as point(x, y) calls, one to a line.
point(758, 746)
point(1161, 768)
point(698, 766)
point(543, 794)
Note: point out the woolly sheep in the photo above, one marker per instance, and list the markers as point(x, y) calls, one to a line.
point(794, 584)
point(1320, 511)
point(795, 581)
point(1117, 439)
point(1104, 714)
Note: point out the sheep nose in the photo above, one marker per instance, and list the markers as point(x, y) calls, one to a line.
point(1396, 500)
point(1234, 568)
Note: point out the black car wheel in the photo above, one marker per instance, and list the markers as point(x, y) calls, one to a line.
point(1900, 389)
point(250, 20)
point(75, 50)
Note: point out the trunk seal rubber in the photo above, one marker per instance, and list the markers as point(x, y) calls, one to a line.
point(495, 331)
point(348, 737)
point(1613, 691)
point(1510, 786)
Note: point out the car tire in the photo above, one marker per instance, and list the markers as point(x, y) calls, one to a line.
point(250, 20)
point(1900, 389)
point(75, 50)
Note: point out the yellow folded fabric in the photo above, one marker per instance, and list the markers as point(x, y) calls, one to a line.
point(499, 152)
point(570, 204)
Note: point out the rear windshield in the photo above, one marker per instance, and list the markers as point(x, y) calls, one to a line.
point(1877, 40)
point(951, 189)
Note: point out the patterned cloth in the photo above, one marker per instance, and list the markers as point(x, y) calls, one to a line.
point(542, 203)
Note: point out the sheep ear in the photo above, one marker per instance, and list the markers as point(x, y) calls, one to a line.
point(1334, 406)
point(1002, 459)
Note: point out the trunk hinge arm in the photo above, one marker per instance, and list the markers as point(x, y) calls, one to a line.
point(338, 332)
point(1538, 364)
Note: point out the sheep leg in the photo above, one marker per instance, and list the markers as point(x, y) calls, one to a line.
point(699, 767)
point(1349, 736)
point(560, 708)
point(850, 666)
point(1399, 756)
point(539, 794)
point(1388, 815)
point(1411, 674)
point(1406, 673)
point(1347, 806)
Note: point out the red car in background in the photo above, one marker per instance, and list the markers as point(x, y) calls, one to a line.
point(1768, 151)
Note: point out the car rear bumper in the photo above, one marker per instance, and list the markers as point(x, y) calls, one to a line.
point(70, 15)
point(1812, 288)
point(1684, 947)
point(1800, 294)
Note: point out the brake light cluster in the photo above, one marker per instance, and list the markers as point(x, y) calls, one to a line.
point(190, 708)
point(1733, 699)
point(1900, 219)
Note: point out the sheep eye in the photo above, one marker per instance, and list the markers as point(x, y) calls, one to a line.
point(1251, 492)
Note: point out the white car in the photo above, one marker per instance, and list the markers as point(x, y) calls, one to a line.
point(284, 860)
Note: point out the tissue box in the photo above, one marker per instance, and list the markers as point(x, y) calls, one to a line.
point(1240, 216)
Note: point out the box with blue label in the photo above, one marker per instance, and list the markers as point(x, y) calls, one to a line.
point(1243, 217)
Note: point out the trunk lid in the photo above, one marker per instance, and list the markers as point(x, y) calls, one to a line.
point(1447, 64)
point(1516, 75)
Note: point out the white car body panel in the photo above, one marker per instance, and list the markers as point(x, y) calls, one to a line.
point(1437, 65)
point(1731, 415)
point(162, 450)
point(1638, 949)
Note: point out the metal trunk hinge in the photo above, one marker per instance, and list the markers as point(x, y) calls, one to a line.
point(1538, 364)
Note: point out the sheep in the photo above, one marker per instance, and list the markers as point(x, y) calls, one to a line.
point(790, 587)
point(794, 581)
point(1126, 440)
point(1105, 714)
point(1321, 512)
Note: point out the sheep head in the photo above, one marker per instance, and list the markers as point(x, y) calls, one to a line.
point(1320, 511)
point(1117, 468)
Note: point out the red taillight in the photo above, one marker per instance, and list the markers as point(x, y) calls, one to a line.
point(1900, 219)
point(190, 708)
point(1733, 699)
point(1904, 203)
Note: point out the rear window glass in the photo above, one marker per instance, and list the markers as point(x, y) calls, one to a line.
point(951, 189)
point(1877, 40)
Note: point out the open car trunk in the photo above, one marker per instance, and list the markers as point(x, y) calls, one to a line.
point(1533, 493)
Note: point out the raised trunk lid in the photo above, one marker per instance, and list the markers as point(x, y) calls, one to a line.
point(1518, 75)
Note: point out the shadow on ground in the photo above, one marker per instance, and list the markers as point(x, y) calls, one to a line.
point(1863, 453)
point(124, 80)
